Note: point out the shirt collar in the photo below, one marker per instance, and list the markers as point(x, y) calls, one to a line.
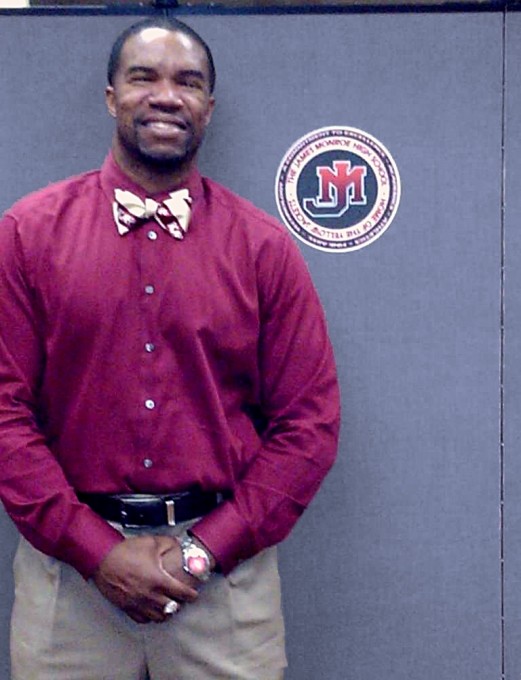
point(112, 177)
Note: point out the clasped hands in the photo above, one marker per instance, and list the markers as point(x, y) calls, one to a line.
point(142, 574)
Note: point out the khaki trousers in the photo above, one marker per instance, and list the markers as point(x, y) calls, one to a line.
point(62, 628)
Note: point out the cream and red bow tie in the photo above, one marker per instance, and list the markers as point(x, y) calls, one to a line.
point(173, 214)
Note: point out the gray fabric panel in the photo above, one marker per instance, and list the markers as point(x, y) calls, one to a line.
point(512, 392)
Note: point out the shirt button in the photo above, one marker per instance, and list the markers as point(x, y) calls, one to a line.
point(149, 346)
point(150, 404)
point(152, 235)
point(147, 463)
point(149, 290)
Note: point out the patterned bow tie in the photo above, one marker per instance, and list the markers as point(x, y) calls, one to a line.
point(172, 215)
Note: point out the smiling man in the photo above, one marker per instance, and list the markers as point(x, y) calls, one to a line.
point(169, 402)
point(160, 94)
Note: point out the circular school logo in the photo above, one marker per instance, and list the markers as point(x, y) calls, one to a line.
point(337, 189)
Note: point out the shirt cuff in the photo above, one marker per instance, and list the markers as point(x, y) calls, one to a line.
point(88, 543)
point(226, 535)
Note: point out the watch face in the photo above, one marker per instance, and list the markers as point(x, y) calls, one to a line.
point(197, 565)
point(196, 561)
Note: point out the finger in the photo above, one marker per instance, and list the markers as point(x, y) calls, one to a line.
point(183, 593)
point(155, 614)
point(165, 543)
point(137, 616)
point(174, 589)
point(149, 610)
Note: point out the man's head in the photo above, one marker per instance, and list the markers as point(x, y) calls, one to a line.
point(161, 77)
point(160, 22)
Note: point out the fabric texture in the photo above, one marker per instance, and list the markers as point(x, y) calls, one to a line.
point(150, 364)
point(64, 629)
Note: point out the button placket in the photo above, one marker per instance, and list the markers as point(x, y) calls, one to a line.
point(149, 383)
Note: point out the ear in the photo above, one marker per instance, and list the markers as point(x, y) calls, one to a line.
point(209, 111)
point(110, 100)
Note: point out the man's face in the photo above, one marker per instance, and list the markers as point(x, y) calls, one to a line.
point(161, 99)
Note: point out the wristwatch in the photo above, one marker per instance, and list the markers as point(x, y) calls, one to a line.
point(196, 560)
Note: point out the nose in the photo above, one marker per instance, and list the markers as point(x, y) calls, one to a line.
point(166, 93)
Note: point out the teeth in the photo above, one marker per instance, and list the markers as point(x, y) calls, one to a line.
point(161, 125)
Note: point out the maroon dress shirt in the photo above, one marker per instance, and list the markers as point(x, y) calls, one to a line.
point(132, 364)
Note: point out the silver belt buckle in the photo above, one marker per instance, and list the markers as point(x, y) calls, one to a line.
point(170, 513)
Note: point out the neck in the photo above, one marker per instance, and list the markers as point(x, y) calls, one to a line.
point(153, 179)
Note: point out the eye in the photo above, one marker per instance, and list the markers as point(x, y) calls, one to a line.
point(193, 84)
point(191, 80)
point(141, 76)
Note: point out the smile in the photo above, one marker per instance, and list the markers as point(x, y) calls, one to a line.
point(165, 125)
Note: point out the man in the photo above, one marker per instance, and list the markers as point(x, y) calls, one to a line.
point(169, 403)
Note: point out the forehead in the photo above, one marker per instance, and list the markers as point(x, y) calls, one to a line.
point(160, 48)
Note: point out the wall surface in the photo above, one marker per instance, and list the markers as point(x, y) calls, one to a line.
point(396, 570)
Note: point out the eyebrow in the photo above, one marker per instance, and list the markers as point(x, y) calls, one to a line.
point(146, 69)
point(192, 72)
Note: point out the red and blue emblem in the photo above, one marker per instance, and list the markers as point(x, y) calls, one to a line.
point(337, 189)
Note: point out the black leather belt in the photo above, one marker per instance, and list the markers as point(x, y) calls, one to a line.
point(146, 510)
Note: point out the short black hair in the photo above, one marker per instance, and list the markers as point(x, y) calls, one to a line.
point(172, 25)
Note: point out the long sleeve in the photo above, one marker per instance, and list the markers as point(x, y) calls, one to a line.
point(300, 401)
point(33, 487)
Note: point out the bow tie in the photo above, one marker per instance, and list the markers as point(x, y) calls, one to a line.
point(172, 215)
